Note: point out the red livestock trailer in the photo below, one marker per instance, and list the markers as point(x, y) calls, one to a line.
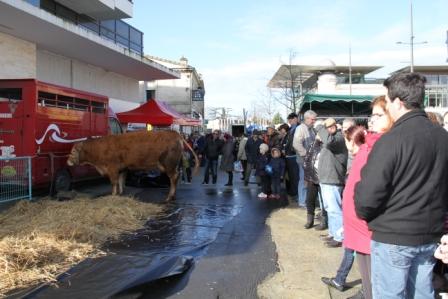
point(43, 121)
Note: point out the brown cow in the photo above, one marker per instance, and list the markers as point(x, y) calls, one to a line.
point(113, 155)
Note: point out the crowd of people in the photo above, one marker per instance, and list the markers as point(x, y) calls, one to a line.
point(381, 189)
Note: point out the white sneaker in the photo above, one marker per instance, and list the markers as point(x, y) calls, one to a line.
point(262, 195)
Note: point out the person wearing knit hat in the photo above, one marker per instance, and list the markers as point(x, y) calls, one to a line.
point(277, 164)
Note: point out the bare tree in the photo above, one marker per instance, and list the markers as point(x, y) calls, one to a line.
point(287, 89)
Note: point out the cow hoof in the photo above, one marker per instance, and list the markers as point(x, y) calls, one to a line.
point(170, 199)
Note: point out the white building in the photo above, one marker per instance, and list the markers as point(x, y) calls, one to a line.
point(80, 44)
point(185, 94)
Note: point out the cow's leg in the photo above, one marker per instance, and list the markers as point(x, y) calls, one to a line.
point(113, 177)
point(121, 182)
point(173, 175)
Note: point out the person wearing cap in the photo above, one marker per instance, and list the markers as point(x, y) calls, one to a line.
point(252, 149)
point(292, 169)
point(331, 172)
point(303, 138)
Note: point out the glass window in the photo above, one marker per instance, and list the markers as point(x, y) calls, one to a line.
point(123, 41)
point(89, 23)
point(110, 25)
point(114, 126)
point(65, 13)
point(10, 94)
point(48, 5)
point(123, 29)
point(34, 2)
point(107, 33)
point(46, 99)
point(81, 104)
point(98, 107)
point(444, 79)
point(135, 36)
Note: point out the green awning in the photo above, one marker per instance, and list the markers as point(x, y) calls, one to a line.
point(309, 98)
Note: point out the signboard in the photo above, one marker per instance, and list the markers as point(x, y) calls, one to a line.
point(198, 95)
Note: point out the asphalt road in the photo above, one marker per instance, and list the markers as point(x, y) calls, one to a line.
point(242, 253)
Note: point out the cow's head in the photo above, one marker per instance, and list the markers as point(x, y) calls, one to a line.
point(73, 158)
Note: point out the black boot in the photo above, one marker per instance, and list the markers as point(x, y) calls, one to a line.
point(309, 221)
point(323, 223)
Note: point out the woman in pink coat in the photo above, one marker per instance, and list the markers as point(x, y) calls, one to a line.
point(359, 143)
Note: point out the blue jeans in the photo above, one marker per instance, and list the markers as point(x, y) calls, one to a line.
point(332, 199)
point(345, 266)
point(402, 271)
point(211, 166)
point(302, 189)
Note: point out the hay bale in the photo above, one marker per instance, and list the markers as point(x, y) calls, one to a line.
point(39, 240)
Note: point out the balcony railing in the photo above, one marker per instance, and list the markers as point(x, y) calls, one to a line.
point(115, 30)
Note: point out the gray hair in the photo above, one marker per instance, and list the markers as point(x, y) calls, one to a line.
point(309, 113)
point(349, 120)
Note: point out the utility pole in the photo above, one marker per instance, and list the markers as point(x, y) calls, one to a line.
point(411, 39)
point(350, 67)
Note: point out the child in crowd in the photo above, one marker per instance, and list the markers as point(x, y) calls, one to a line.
point(278, 169)
point(262, 162)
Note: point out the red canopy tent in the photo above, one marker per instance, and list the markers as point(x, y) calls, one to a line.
point(156, 113)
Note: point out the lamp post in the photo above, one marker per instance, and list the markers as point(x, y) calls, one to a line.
point(412, 43)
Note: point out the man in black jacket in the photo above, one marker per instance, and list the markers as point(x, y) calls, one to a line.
point(403, 194)
point(252, 149)
point(212, 150)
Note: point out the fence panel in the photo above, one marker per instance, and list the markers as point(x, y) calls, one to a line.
point(15, 178)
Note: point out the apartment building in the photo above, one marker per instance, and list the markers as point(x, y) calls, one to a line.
point(82, 44)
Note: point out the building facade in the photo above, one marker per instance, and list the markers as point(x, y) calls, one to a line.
point(80, 44)
point(185, 94)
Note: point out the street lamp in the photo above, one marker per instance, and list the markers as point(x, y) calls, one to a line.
point(412, 43)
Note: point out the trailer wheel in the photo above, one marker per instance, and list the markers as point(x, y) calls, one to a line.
point(62, 181)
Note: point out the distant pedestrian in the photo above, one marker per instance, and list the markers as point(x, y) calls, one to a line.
point(332, 170)
point(212, 150)
point(241, 155)
point(403, 193)
point(252, 149)
point(228, 157)
point(292, 168)
point(263, 172)
point(277, 165)
point(303, 138)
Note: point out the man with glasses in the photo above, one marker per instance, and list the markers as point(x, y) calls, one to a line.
point(303, 138)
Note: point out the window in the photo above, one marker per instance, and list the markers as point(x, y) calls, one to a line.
point(150, 94)
point(114, 126)
point(98, 107)
point(89, 23)
point(81, 104)
point(7, 94)
point(46, 99)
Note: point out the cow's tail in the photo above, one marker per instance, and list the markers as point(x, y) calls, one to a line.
point(196, 159)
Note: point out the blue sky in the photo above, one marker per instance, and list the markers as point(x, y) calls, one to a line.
point(238, 45)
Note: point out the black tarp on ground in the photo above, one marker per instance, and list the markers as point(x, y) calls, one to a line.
point(167, 246)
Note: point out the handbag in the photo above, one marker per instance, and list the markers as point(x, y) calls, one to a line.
point(237, 166)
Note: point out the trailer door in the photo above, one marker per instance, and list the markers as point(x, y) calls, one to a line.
point(11, 119)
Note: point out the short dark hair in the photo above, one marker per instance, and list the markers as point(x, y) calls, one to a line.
point(284, 127)
point(292, 115)
point(408, 87)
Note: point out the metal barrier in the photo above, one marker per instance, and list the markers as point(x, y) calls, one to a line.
point(15, 178)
